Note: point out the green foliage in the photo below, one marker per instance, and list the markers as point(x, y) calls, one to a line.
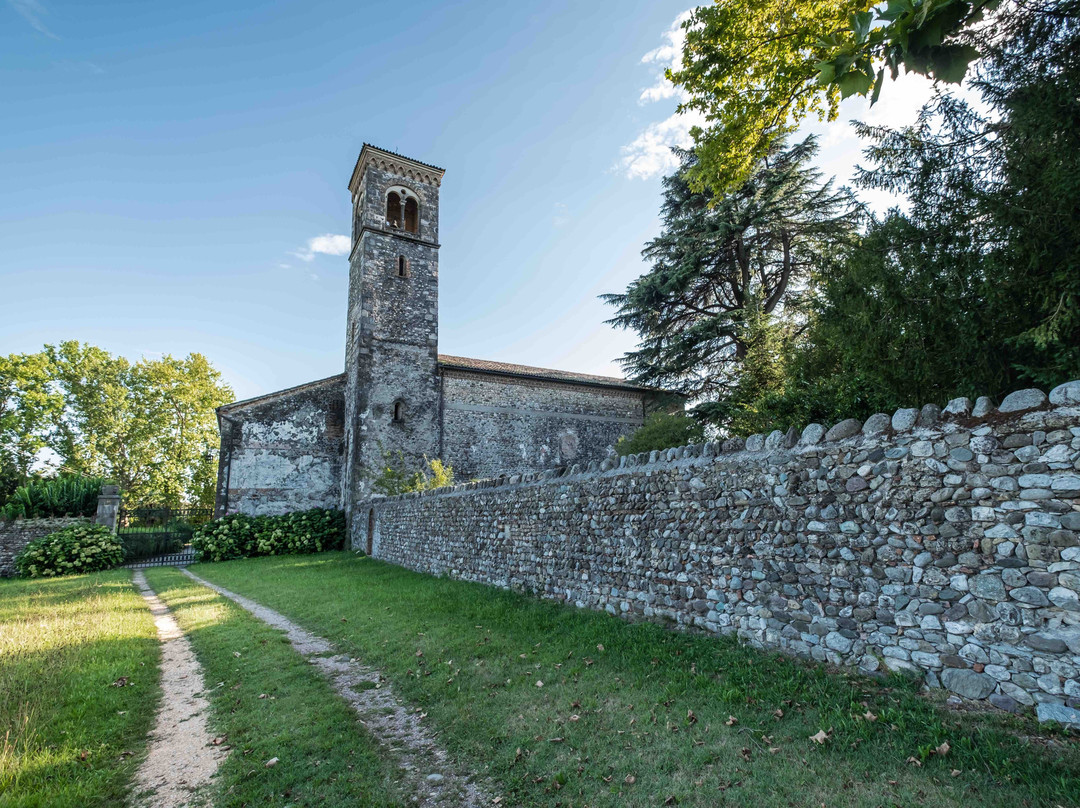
point(148, 425)
point(29, 407)
point(756, 68)
point(76, 549)
point(243, 536)
point(662, 430)
point(64, 495)
point(10, 479)
point(396, 479)
point(974, 289)
point(728, 275)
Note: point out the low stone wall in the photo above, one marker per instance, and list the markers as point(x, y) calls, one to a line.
point(16, 535)
point(939, 542)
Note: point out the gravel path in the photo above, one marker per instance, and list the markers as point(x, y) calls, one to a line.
point(427, 769)
point(181, 757)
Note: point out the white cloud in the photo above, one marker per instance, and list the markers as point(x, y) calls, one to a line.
point(668, 55)
point(32, 11)
point(327, 244)
point(649, 154)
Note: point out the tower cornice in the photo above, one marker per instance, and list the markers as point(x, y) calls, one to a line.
point(394, 163)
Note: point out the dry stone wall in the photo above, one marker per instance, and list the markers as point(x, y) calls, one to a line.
point(945, 543)
point(14, 536)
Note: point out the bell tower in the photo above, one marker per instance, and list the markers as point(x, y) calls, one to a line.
point(392, 325)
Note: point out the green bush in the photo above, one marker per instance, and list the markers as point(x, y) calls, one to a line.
point(662, 430)
point(243, 536)
point(76, 549)
point(65, 495)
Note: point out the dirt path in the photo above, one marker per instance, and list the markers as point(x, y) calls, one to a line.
point(427, 768)
point(182, 758)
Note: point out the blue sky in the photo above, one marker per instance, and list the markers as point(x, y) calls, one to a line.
point(170, 172)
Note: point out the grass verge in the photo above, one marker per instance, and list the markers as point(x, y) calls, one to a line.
point(68, 736)
point(267, 702)
point(572, 708)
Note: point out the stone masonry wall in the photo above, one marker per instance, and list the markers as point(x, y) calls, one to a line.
point(283, 452)
point(17, 534)
point(945, 543)
point(493, 425)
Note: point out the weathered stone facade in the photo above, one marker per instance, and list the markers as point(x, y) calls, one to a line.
point(282, 452)
point(496, 424)
point(941, 542)
point(398, 395)
point(15, 535)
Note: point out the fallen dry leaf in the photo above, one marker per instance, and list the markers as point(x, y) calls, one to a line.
point(820, 737)
point(955, 772)
point(745, 752)
point(575, 717)
point(914, 760)
point(539, 683)
point(271, 763)
point(121, 682)
point(630, 779)
point(778, 713)
point(943, 749)
point(691, 717)
point(600, 647)
point(869, 716)
point(731, 721)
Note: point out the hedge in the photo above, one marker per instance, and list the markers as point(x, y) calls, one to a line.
point(72, 550)
point(243, 536)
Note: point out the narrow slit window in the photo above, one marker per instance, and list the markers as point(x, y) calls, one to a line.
point(399, 411)
point(402, 266)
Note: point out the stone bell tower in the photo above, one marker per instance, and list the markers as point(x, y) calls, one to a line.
point(392, 326)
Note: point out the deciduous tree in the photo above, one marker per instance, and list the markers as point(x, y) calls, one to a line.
point(756, 68)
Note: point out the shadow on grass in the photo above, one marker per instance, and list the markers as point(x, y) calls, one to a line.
point(566, 705)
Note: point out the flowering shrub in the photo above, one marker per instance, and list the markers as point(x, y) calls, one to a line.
point(242, 536)
point(81, 548)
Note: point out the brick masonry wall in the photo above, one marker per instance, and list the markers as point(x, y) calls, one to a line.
point(495, 425)
point(17, 534)
point(945, 543)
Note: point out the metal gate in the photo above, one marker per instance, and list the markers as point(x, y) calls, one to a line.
point(158, 536)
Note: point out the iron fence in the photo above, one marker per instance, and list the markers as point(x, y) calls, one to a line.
point(160, 536)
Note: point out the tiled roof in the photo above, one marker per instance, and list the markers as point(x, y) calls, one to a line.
point(506, 369)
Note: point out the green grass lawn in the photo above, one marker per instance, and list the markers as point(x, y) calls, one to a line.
point(563, 707)
point(68, 737)
point(268, 702)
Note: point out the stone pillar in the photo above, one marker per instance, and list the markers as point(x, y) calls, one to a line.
point(108, 507)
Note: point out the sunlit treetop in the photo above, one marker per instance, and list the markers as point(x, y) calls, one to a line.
point(757, 68)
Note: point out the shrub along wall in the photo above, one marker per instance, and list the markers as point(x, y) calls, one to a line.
point(939, 542)
point(16, 534)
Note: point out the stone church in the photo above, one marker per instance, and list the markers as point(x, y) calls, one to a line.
point(323, 443)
